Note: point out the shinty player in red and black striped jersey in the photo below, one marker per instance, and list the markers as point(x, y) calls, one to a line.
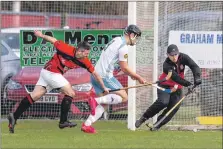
point(51, 76)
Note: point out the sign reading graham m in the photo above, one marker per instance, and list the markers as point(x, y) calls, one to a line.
point(36, 51)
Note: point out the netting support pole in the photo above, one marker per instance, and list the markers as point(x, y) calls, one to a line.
point(155, 52)
point(132, 65)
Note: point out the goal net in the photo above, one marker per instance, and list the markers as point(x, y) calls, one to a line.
point(206, 103)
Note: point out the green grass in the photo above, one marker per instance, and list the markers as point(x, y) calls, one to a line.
point(111, 134)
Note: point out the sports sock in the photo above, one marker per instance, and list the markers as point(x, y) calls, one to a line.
point(23, 106)
point(99, 110)
point(109, 99)
point(65, 107)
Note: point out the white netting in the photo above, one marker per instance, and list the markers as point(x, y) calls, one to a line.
point(144, 55)
point(45, 16)
point(184, 16)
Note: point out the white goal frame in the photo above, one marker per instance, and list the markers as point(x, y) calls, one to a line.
point(132, 14)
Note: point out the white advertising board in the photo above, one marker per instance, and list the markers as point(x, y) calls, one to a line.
point(204, 47)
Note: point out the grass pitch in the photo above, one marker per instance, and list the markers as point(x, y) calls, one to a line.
point(111, 134)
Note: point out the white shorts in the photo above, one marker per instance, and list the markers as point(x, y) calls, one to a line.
point(51, 80)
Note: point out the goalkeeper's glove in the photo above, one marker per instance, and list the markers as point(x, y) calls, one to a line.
point(197, 81)
point(190, 88)
point(187, 84)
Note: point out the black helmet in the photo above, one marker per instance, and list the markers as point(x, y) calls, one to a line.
point(133, 29)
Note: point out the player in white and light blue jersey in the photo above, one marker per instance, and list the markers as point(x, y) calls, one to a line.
point(115, 51)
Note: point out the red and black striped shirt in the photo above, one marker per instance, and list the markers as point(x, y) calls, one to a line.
point(64, 59)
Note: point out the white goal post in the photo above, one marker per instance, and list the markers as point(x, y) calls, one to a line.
point(132, 65)
point(132, 16)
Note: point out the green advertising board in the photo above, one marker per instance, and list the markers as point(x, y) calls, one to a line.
point(36, 51)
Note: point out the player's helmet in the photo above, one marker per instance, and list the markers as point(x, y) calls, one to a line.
point(133, 29)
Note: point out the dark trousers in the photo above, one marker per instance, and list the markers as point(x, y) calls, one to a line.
point(165, 101)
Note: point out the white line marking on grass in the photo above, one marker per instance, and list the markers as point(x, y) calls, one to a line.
point(8, 134)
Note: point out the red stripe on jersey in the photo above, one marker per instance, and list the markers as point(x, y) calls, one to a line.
point(29, 99)
point(170, 82)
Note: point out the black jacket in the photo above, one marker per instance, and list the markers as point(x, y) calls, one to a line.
point(178, 71)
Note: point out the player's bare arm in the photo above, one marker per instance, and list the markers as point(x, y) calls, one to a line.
point(125, 68)
point(46, 37)
point(98, 78)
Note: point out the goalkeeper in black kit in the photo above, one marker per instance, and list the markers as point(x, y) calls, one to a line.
point(176, 62)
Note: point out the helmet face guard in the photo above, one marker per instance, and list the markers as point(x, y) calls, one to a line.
point(137, 38)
